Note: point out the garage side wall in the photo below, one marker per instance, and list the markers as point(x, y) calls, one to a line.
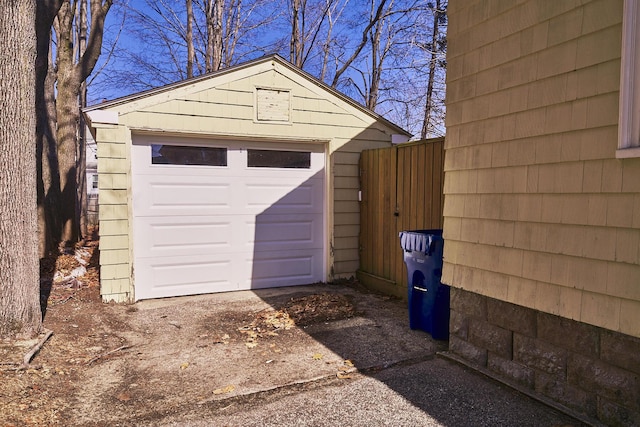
point(114, 183)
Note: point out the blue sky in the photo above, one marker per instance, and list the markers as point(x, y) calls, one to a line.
point(141, 61)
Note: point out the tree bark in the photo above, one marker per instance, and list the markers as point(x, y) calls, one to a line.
point(71, 74)
point(426, 123)
point(48, 186)
point(19, 271)
point(81, 175)
point(68, 114)
point(294, 45)
point(231, 32)
point(214, 34)
point(371, 98)
point(190, 50)
point(217, 34)
point(326, 46)
point(378, 56)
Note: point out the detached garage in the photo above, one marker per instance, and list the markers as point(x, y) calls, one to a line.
point(241, 179)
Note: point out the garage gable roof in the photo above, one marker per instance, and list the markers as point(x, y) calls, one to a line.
point(161, 94)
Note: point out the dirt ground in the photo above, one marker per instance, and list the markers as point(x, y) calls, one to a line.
point(82, 329)
point(106, 363)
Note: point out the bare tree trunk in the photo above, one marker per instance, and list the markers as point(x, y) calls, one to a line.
point(378, 56)
point(81, 176)
point(326, 46)
point(214, 34)
point(48, 185)
point(294, 46)
point(19, 272)
point(50, 166)
point(232, 30)
point(68, 112)
point(71, 74)
point(190, 50)
point(208, 57)
point(426, 123)
point(217, 34)
point(372, 95)
point(301, 34)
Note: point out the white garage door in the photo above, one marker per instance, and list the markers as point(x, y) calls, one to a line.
point(214, 216)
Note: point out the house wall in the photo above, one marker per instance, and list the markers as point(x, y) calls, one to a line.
point(91, 154)
point(223, 107)
point(538, 211)
point(533, 187)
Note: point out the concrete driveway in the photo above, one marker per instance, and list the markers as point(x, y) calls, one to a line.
point(238, 359)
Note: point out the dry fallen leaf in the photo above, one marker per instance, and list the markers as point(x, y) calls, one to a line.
point(345, 371)
point(123, 397)
point(185, 365)
point(224, 390)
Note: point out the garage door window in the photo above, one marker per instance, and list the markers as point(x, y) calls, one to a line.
point(162, 154)
point(278, 159)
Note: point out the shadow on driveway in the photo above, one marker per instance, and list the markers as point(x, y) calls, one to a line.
point(214, 360)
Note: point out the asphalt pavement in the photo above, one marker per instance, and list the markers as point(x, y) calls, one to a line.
point(433, 392)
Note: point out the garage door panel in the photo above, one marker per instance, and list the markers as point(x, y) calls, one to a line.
point(159, 195)
point(280, 196)
point(283, 232)
point(283, 268)
point(180, 236)
point(188, 195)
point(191, 275)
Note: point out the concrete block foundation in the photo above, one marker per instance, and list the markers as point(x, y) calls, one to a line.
point(589, 370)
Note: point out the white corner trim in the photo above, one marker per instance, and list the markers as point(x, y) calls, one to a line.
point(629, 114)
point(627, 153)
point(104, 117)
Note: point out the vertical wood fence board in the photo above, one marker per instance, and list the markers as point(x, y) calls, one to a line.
point(429, 195)
point(406, 179)
point(392, 224)
point(400, 221)
point(437, 184)
point(423, 202)
point(384, 212)
point(377, 220)
point(382, 208)
point(366, 221)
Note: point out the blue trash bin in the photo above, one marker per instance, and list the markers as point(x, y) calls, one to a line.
point(428, 297)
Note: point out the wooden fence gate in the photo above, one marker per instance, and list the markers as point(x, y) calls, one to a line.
point(402, 189)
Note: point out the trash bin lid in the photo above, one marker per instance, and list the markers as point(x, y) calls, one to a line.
point(419, 240)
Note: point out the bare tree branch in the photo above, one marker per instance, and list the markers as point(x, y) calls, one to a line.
point(365, 37)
